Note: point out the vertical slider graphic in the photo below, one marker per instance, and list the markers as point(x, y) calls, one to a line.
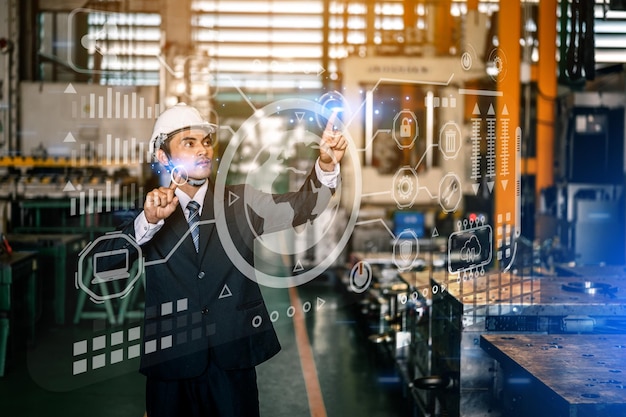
point(475, 157)
point(491, 147)
point(506, 139)
point(518, 181)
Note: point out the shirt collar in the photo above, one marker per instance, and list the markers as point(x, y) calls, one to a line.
point(184, 199)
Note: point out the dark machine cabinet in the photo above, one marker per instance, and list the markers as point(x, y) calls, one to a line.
point(590, 190)
point(595, 145)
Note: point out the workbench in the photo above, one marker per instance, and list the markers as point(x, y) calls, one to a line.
point(560, 375)
point(18, 268)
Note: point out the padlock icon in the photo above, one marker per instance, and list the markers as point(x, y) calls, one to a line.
point(405, 128)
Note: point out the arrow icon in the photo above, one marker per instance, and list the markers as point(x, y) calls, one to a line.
point(69, 187)
point(232, 198)
point(225, 292)
point(69, 89)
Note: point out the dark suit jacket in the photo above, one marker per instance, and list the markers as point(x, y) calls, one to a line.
point(200, 304)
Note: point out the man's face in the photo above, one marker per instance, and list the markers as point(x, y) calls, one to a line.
point(191, 152)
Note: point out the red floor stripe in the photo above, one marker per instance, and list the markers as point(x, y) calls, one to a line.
point(309, 371)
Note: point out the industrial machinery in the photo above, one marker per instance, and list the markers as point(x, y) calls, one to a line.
point(449, 372)
point(589, 198)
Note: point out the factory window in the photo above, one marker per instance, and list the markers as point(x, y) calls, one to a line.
point(124, 48)
point(104, 47)
point(270, 47)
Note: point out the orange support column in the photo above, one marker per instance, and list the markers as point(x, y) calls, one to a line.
point(444, 26)
point(508, 113)
point(547, 85)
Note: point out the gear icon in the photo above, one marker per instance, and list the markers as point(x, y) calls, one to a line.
point(405, 187)
point(498, 65)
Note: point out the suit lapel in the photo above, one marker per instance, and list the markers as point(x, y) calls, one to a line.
point(180, 229)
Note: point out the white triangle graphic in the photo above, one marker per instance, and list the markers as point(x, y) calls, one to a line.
point(504, 184)
point(435, 232)
point(505, 110)
point(232, 198)
point(298, 267)
point(299, 115)
point(70, 89)
point(69, 138)
point(475, 187)
point(490, 186)
point(225, 292)
point(69, 187)
point(476, 110)
point(320, 303)
point(491, 111)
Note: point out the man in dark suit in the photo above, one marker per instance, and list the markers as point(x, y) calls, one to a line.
point(206, 326)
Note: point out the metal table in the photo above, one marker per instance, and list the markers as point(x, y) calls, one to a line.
point(560, 375)
point(19, 266)
point(55, 251)
point(502, 304)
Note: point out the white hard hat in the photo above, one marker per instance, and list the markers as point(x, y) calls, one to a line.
point(173, 120)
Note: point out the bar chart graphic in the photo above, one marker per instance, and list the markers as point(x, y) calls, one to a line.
point(102, 198)
point(114, 151)
point(115, 105)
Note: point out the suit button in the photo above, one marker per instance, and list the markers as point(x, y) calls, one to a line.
point(205, 310)
point(201, 275)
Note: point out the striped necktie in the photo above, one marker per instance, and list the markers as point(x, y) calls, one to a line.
point(193, 208)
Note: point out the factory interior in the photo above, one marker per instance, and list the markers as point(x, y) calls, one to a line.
point(471, 261)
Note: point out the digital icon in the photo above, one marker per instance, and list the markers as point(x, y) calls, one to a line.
point(334, 102)
point(450, 140)
point(405, 129)
point(470, 248)
point(104, 273)
point(98, 271)
point(497, 64)
point(466, 61)
point(450, 192)
point(93, 42)
point(405, 187)
point(360, 277)
point(467, 57)
point(405, 250)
